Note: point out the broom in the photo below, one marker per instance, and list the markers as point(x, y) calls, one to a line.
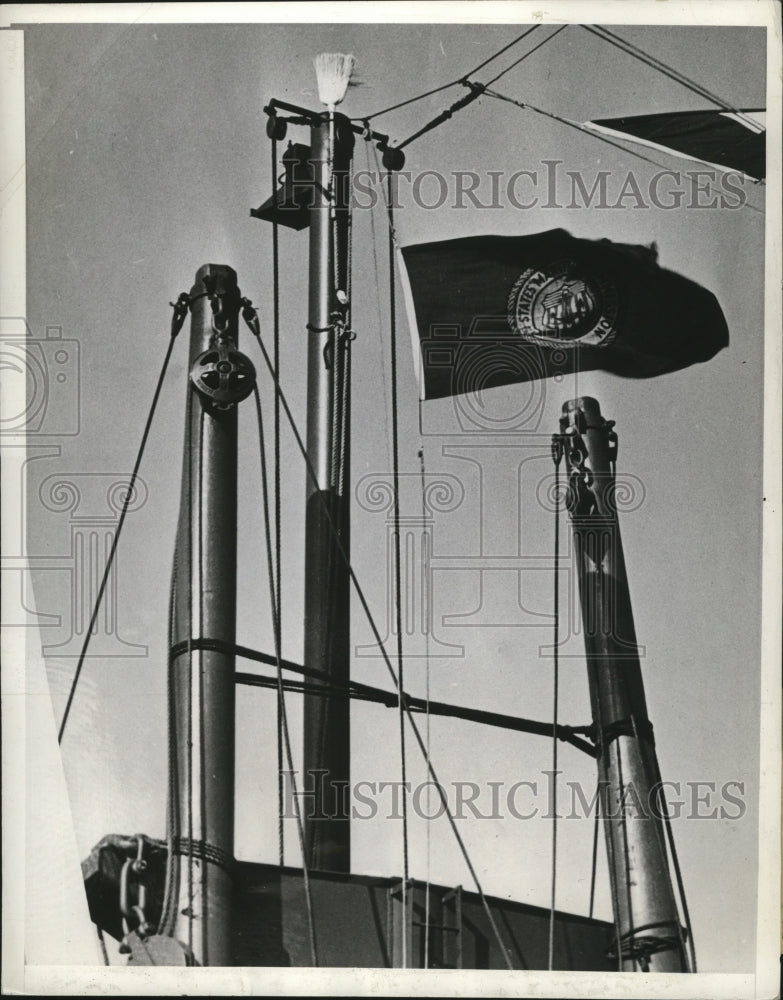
point(333, 72)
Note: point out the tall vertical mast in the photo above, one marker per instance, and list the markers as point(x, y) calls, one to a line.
point(202, 684)
point(327, 537)
point(645, 908)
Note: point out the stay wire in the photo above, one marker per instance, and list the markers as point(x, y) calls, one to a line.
point(427, 618)
point(523, 57)
point(397, 552)
point(377, 636)
point(445, 86)
point(173, 828)
point(129, 495)
point(280, 688)
point(673, 74)
point(165, 925)
point(202, 833)
point(631, 932)
point(476, 90)
point(102, 942)
point(389, 204)
point(524, 106)
point(678, 876)
point(558, 455)
point(377, 271)
point(593, 865)
point(628, 150)
point(278, 541)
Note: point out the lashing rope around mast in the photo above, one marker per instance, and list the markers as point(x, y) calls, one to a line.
point(251, 318)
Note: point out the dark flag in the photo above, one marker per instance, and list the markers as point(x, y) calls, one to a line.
point(496, 310)
point(725, 139)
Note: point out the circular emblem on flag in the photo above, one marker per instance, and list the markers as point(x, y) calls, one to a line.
point(562, 305)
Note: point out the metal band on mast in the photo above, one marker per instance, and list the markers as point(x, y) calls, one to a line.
point(649, 930)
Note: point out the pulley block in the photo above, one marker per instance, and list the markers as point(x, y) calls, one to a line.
point(223, 374)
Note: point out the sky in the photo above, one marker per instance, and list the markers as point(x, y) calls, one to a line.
point(145, 151)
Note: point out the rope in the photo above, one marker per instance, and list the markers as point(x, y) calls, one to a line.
point(522, 58)
point(558, 455)
point(624, 827)
point(102, 942)
point(278, 542)
point(568, 734)
point(427, 612)
point(176, 326)
point(397, 554)
point(365, 692)
point(445, 86)
point(367, 147)
point(280, 690)
point(678, 876)
point(377, 635)
point(674, 74)
point(595, 849)
point(205, 851)
point(166, 925)
point(476, 90)
point(524, 106)
point(613, 890)
point(197, 535)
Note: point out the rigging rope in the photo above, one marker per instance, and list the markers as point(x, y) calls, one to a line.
point(180, 312)
point(102, 942)
point(278, 542)
point(426, 614)
point(629, 934)
point(167, 913)
point(445, 86)
point(369, 145)
point(397, 554)
point(524, 106)
point(197, 535)
point(280, 690)
point(476, 91)
point(674, 74)
point(557, 453)
point(595, 848)
point(678, 876)
point(523, 57)
point(252, 321)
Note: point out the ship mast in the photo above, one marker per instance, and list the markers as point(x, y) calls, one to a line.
point(327, 532)
point(202, 683)
point(650, 937)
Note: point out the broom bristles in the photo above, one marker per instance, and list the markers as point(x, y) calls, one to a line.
point(333, 72)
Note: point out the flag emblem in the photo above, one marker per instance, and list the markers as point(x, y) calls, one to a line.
point(487, 311)
point(563, 305)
